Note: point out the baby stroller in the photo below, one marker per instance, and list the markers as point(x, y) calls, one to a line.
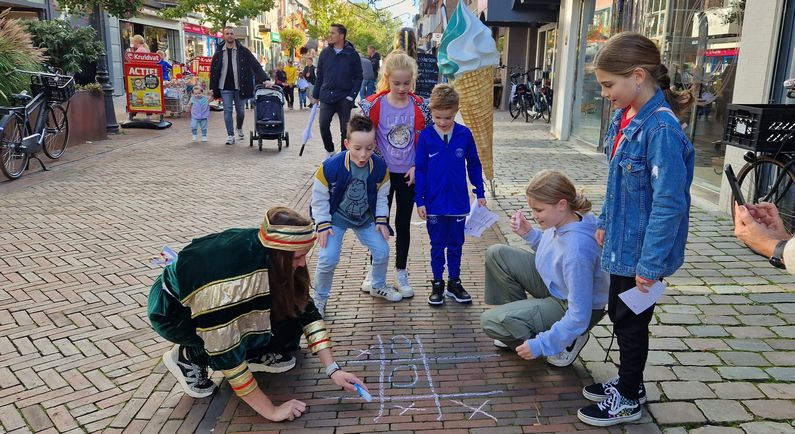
point(269, 120)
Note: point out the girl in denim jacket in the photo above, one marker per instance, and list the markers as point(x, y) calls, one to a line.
point(644, 221)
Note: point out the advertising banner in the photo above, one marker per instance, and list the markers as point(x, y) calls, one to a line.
point(201, 65)
point(143, 81)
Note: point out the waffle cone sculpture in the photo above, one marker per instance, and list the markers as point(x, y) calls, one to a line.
point(476, 97)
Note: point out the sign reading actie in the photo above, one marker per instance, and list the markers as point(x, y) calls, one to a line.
point(202, 67)
point(143, 81)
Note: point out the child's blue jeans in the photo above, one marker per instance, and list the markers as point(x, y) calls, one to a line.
point(198, 123)
point(302, 97)
point(330, 257)
point(446, 232)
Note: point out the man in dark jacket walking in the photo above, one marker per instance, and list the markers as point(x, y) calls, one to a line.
point(339, 77)
point(235, 84)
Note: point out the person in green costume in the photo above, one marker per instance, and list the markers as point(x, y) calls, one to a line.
point(238, 301)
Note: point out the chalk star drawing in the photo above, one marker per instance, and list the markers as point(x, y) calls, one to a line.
point(412, 370)
point(475, 410)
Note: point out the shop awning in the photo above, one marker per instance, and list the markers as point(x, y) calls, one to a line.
point(522, 13)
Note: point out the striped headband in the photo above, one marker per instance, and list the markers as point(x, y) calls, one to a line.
point(286, 237)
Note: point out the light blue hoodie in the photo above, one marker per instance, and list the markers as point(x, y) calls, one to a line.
point(568, 260)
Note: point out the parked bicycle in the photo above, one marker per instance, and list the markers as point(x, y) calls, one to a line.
point(517, 104)
point(768, 131)
point(541, 107)
point(35, 122)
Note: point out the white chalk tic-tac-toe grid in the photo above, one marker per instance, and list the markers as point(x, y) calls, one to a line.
point(411, 369)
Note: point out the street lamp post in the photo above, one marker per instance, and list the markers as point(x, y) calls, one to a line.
point(103, 77)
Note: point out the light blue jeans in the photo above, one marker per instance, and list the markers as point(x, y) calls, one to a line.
point(196, 124)
point(229, 98)
point(330, 257)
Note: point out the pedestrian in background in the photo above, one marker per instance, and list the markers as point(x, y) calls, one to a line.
point(302, 86)
point(199, 107)
point(167, 68)
point(375, 59)
point(339, 78)
point(644, 220)
point(309, 74)
point(138, 44)
point(233, 72)
point(368, 78)
point(292, 79)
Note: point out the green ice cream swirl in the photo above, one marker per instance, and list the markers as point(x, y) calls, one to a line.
point(455, 28)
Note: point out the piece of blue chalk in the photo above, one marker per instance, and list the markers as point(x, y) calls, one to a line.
point(363, 393)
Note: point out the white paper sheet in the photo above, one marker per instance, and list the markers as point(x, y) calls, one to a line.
point(479, 219)
point(640, 301)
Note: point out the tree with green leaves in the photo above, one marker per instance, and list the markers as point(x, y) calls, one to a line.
point(67, 47)
point(219, 13)
point(366, 26)
point(117, 8)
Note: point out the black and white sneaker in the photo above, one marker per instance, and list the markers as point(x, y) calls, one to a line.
point(500, 344)
point(570, 353)
point(437, 292)
point(598, 392)
point(612, 411)
point(193, 378)
point(272, 363)
point(456, 291)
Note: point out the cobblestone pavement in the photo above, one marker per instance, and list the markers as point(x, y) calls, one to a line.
point(722, 356)
point(77, 353)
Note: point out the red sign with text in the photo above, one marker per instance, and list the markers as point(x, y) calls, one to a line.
point(143, 81)
point(202, 65)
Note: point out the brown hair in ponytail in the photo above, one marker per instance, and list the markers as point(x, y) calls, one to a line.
point(289, 288)
point(625, 52)
point(550, 186)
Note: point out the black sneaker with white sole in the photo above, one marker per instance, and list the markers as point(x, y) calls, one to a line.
point(613, 410)
point(193, 378)
point(570, 353)
point(437, 292)
point(457, 292)
point(598, 392)
point(272, 363)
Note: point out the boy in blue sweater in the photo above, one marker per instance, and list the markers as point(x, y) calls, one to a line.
point(350, 192)
point(446, 153)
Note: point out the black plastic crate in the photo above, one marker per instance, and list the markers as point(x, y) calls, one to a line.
point(760, 127)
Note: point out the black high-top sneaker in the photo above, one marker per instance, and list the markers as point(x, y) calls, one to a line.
point(437, 292)
point(193, 378)
point(457, 292)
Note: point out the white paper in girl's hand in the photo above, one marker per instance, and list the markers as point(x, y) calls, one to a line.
point(640, 301)
point(479, 219)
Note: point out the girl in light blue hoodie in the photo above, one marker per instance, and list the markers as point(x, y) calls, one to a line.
point(566, 286)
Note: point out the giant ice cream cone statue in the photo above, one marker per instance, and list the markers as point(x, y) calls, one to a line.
point(468, 55)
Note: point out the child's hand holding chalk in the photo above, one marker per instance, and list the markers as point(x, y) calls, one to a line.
point(519, 224)
point(363, 393)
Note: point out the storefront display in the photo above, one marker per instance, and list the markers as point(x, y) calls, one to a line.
point(699, 41)
point(200, 41)
point(156, 38)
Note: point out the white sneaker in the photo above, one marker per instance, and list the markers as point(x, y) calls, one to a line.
point(570, 353)
point(402, 284)
point(499, 344)
point(230, 140)
point(387, 293)
point(367, 283)
point(193, 138)
point(204, 138)
point(240, 134)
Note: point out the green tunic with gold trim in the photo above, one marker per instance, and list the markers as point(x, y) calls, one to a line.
point(214, 299)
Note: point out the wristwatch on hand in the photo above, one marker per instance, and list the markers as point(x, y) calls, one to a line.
point(777, 260)
point(332, 368)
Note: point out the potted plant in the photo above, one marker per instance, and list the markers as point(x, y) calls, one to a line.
point(68, 48)
point(16, 52)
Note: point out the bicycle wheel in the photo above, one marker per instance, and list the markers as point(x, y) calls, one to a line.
point(13, 158)
point(515, 107)
point(545, 110)
point(56, 132)
point(769, 180)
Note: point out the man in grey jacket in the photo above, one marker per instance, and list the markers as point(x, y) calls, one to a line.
point(368, 78)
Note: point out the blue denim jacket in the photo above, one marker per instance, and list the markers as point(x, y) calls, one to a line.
point(646, 208)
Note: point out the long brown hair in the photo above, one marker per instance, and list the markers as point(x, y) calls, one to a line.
point(289, 289)
point(627, 51)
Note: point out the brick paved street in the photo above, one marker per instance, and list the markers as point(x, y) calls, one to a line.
point(77, 354)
